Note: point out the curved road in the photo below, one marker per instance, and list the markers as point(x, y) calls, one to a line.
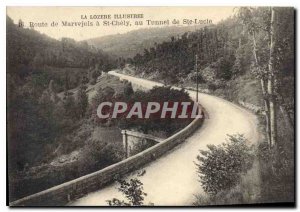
point(172, 179)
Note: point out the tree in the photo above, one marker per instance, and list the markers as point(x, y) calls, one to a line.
point(95, 74)
point(67, 82)
point(21, 23)
point(121, 62)
point(161, 95)
point(69, 105)
point(266, 74)
point(84, 79)
point(82, 100)
point(133, 192)
point(271, 80)
point(128, 90)
point(97, 154)
point(220, 167)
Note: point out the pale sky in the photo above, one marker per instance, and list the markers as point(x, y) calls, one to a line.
point(75, 14)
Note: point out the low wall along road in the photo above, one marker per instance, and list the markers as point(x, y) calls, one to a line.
point(132, 139)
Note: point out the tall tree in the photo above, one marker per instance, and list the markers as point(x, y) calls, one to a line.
point(82, 100)
point(271, 79)
point(246, 16)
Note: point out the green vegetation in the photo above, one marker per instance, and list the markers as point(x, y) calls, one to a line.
point(132, 189)
point(129, 44)
point(173, 61)
point(50, 137)
point(54, 89)
point(246, 58)
point(220, 167)
point(154, 123)
point(68, 144)
point(276, 175)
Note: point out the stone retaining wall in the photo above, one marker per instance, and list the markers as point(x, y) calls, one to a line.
point(132, 141)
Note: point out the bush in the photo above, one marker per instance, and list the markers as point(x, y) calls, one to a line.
point(97, 155)
point(155, 123)
point(133, 191)
point(225, 66)
point(220, 167)
point(277, 173)
point(228, 197)
point(212, 86)
point(193, 77)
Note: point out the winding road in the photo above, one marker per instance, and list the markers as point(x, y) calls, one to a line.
point(172, 179)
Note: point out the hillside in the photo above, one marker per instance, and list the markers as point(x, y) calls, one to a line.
point(53, 90)
point(32, 54)
point(29, 47)
point(247, 59)
point(43, 129)
point(128, 44)
point(224, 55)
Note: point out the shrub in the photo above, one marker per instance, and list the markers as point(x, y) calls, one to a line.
point(220, 167)
point(225, 66)
point(132, 190)
point(277, 173)
point(98, 154)
point(193, 77)
point(155, 123)
point(228, 197)
point(212, 86)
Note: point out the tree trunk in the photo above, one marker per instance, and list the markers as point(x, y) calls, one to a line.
point(271, 94)
point(267, 110)
point(264, 91)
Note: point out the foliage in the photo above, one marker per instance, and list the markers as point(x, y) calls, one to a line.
point(92, 156)
point(277, 173)
point(273, 66)
point(133, 42)
point(193, 77)
point(228, 197)
point(128, 90)
point(70, 107)
point(161, 95)
point(220, 167)
point(98, 154)
point(133, 192)
point(36, 50)
point(94, 75)
point(41, 126)
point(175, 59)
point(82, 100)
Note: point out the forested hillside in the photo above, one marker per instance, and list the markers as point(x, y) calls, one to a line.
point(53, 91)
point(29, 53)
point(45, 133)
point(224, 53)
point(129, 44)
point(214, 46)
point(247, 58)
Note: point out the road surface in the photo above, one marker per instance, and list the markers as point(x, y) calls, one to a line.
point(172, 179)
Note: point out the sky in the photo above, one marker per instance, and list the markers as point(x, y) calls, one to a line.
point(77, 14)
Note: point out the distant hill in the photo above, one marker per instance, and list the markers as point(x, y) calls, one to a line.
point(31, 48)
point(32, 54)
point(133, 42)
